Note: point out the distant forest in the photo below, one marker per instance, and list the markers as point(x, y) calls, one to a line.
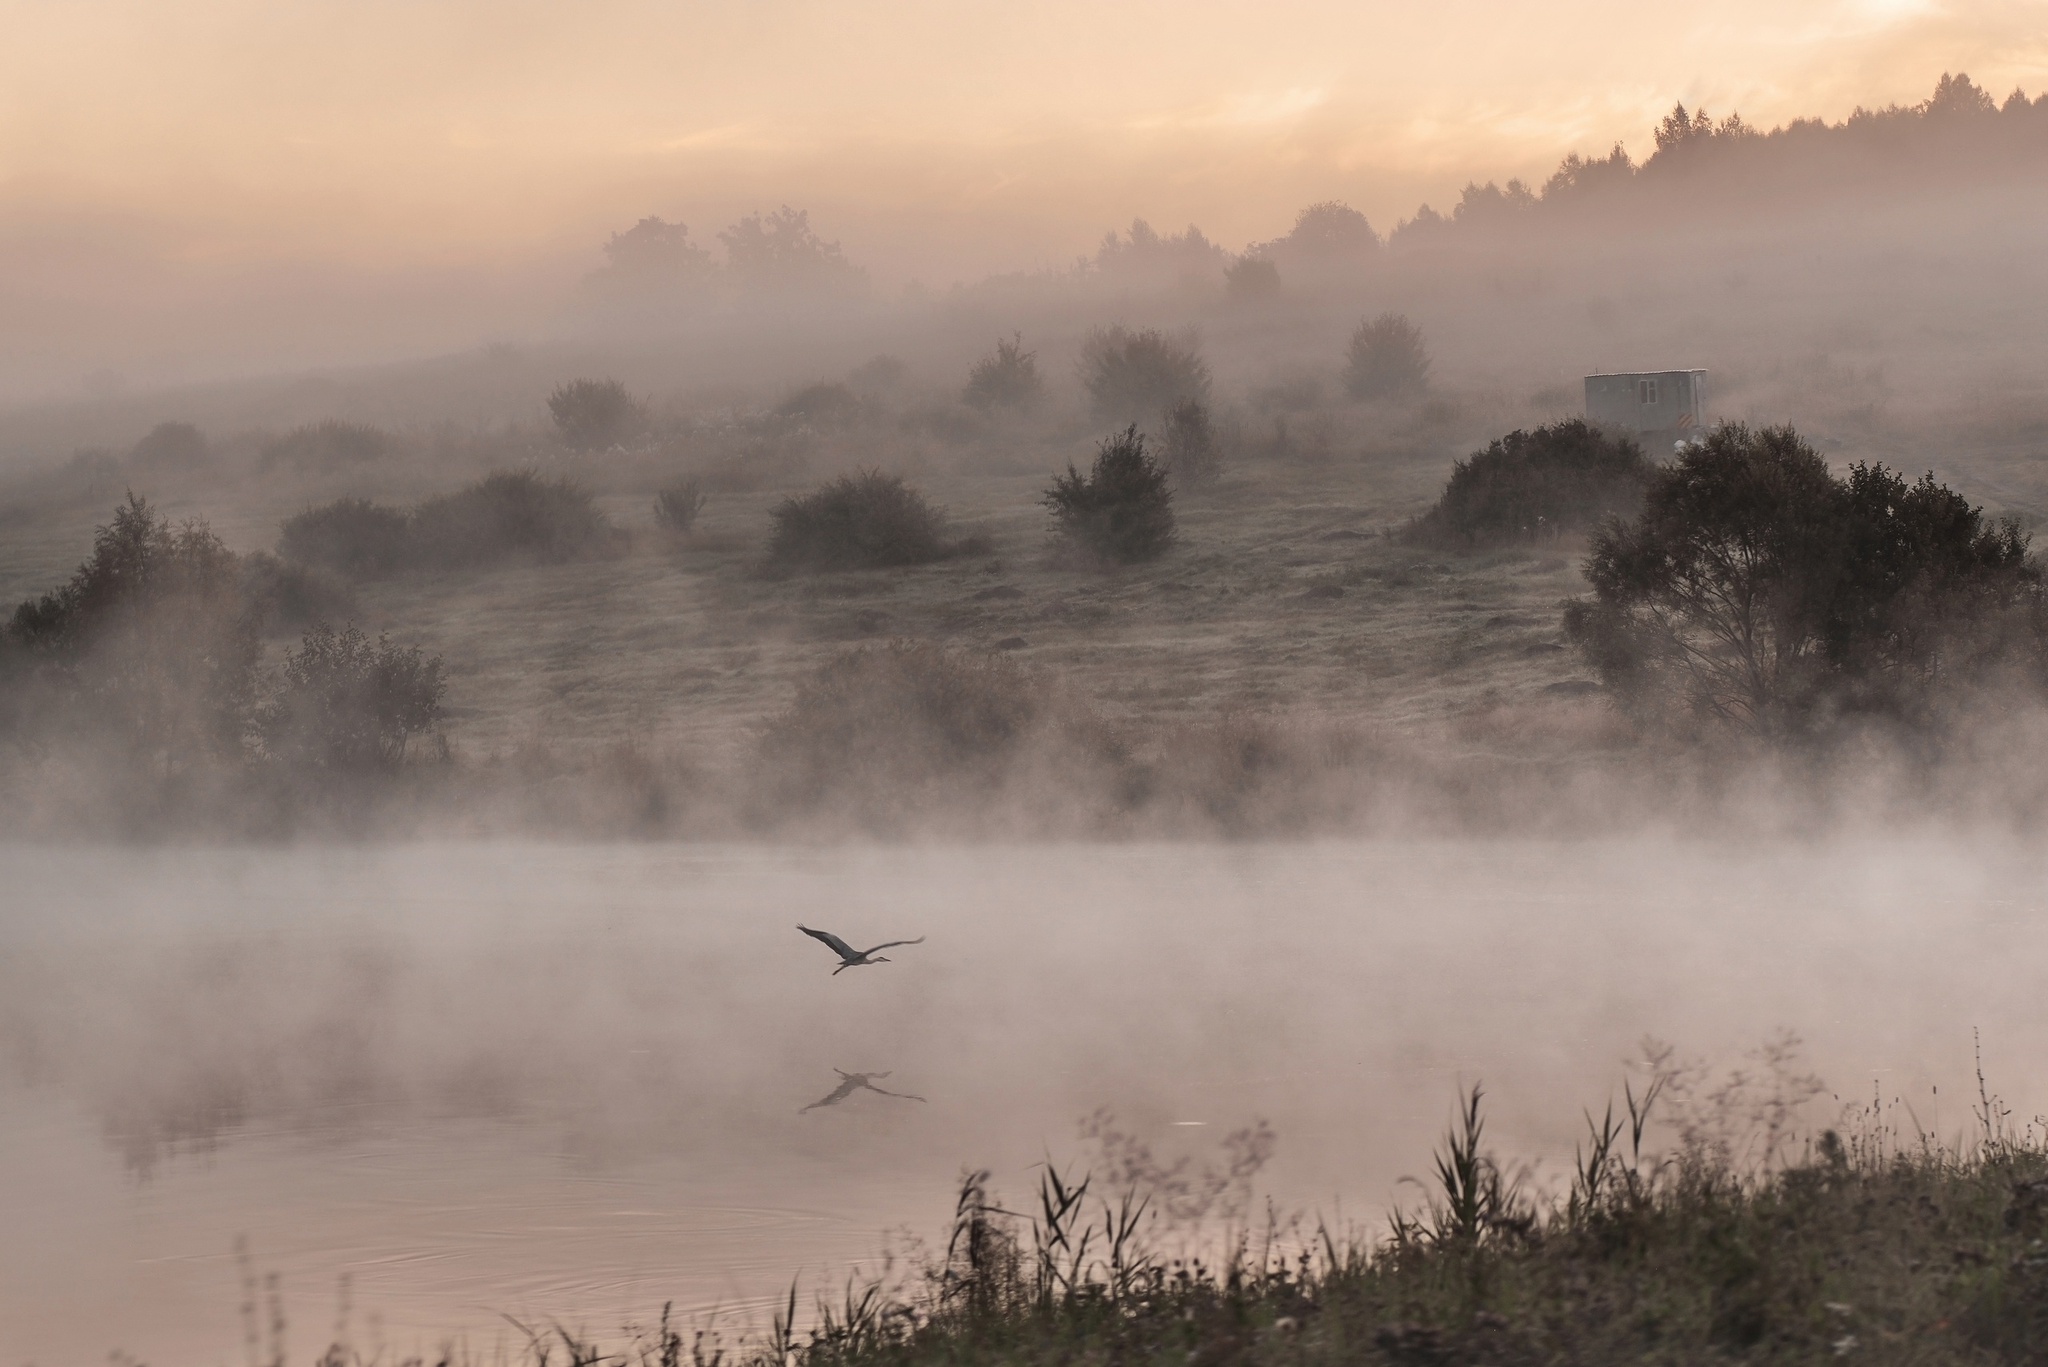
point(1703, 168)
point(1701, 165)
point(1958, 133)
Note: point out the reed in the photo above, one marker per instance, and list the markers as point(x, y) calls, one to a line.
point(1862, 1246)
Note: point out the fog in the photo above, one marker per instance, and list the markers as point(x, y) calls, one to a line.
point(427, 718)
point(567, 1081)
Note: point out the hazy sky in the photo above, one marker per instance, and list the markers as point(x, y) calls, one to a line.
point(146, 141)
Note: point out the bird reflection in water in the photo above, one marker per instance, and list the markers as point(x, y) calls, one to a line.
point(849, 1083)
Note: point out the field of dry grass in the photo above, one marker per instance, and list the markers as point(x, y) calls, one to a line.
point(1289, 598)
point(1285, 594)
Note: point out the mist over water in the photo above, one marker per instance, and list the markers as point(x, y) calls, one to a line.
point(566, 1081)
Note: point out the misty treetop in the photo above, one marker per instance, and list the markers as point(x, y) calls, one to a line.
point(766, 254)
point(1758, 590)
point(1145, 253)
point(1251, 278)
point(1325, 235)
point(1700, 162)
point(654, 251)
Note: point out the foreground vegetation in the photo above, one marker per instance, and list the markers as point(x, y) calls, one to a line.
point(1258, 652)
point(1730, 1247)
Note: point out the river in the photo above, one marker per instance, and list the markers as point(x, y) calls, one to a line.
point(435, 1089)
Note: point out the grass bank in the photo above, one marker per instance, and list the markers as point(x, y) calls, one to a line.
point(1857, 1248)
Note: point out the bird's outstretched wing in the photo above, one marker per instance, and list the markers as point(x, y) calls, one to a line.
point(832, 942)
point(886, 1092)
point(891, 945)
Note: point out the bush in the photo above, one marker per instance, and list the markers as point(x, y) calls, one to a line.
point(509, 515)
point(346, 704)
point(1006, 378)
point(1122, 510)
point(1387, 359)
point(887, 730)
point(149, 642)
point(866, 520)
point(1564, 477)
point(1130, 376)
point(326, 445)
point(284, 597)
point(878, 376)
point(350, 536)
point(676, 507)
point(169, 446)
point(1759, 591)
point(1189, 447)
point(592, 415)
point(822, 405)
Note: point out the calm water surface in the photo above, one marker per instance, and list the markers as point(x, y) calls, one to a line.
point(567, 1082)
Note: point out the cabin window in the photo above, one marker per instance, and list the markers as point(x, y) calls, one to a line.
point(1646, 391)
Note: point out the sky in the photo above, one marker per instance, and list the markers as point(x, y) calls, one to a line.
point(157, 155)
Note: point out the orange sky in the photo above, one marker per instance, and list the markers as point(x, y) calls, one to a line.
point(935, 139)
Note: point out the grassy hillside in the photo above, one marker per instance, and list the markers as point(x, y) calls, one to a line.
point(1290, 615)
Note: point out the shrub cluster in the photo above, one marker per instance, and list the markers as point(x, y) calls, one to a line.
point(350, 536)
point(504, 516)
point(1386, 359)
point(346, 704)
point(150, 652)
point(286, 597)
point(1122, 509)
point(326, 445)
point(170, 446)
point(888, 734)
point(149, 644)
point(591, 415)
point(1758, 590)
point(676, 507)
point(822, 405)
point(866, 520)
point(1527, 485)
point(1006, 378)
point(1130, 376)
point(1188, 446)
point(510, 515)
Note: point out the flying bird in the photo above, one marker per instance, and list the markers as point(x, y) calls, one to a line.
point(849, 1083)
point(849, 957)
